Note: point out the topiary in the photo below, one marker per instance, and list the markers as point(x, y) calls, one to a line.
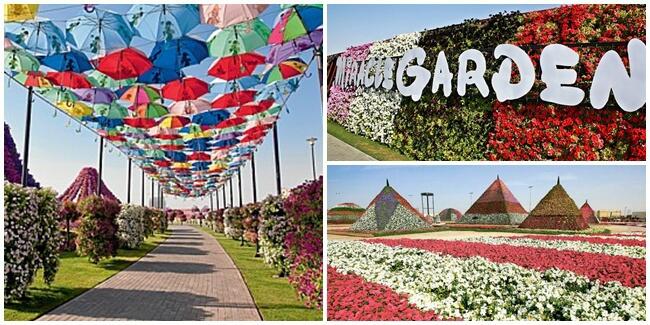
point(97, 232)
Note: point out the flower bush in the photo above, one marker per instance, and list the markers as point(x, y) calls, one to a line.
point(338, 104)
point(31, 237)
point(130, 224)
point(273, 229)
point(304, 246)
point(68, 214)
point(233, 225)
point(251, 221)
point(97, 232)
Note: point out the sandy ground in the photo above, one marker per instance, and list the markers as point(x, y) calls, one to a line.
point(452, 234)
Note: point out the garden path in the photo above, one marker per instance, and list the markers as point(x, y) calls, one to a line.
point(341, 151)
point(187, 277)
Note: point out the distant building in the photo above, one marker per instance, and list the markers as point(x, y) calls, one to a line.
point(638, 215)
point(608, 214)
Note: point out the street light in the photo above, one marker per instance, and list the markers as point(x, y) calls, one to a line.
point(312, 142)
point(470, 197)
point(530, 197)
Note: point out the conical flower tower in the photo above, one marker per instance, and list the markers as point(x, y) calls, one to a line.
point(86, 185)
point(497, 206)
point(588, 214)
point(389, 211)
point(555, 211)
point(13, 164)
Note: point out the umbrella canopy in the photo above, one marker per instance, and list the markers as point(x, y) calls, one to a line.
point(210, 118)
point(224, 15)
point(40, 37)
point(20, 12)
point(174, 122)
point(233, 121)
point(198, 156)
point(17, 59)
point(73, 60)
point(176, 156)
point(111, 110)
point(140, 122)
point(236, 66)
point(99, 32)
point(96, 95)
point(240, 38)
point(285, 70)
point(75, 109)
point(98, 79)
point(232, 99)
point(190, 107)
point(283, 51)
point(124, 64)
point(170, 57)
point(294, 22)
point(141, 94)
point(69, 79)
point(151, 110)
point(34, 79)
point(185, 89)
point(163, 22)
point(254, 108)
point(58, 94)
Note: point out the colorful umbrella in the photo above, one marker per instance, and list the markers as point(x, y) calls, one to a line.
point(124, 64)
point(236, 66)
point(98, 79)
point(99, 32)
point(185, 89)
point(40, 37)
point(233, 121)
point(34, 79)
point(295, 22)
point(140, 122)
point(58, 94)
point(233, 99)
point(20, 12)
point(254, 108)
point(69, 79)
point(75, 109)
point(210, 118)
point(226, 143)
point(240, 38)
point(174, 122)
point(96, 95)
point(17, 59)
point(163, 22)
point(198, 156)
point(199, 144)
point(111, 110)
point(189, 107)
point(141, 94)
point(151, 110)
point(176, 156)
point(169, 57)
point(224, 15)
point(73, 60)
point(285, 70)
point(281, 52)
point(164, 134)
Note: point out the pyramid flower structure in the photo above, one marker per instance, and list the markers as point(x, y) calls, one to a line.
point(344, 213)
point(86, 185)
point(389, 211)
point(497, 205)
point(13, 164)
point(450, 214)
point(588, 214)
point(556, 210)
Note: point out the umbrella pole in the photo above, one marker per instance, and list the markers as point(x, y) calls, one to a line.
point(128, 184)
point(142, 190)
point(230, 188)
point(101, 161)
point(241, 201)
point(28, 127)
point(253, 176)
point(276, 152)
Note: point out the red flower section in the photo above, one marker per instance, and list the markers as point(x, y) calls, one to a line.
point(350, 297)
point(592, 240)
point(630, 272)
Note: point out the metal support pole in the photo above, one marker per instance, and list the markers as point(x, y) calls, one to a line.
point(230, 188)
point(128, 183)
point(152, 195)
point(225, 203)
point(142, 190)
point(433, 203)
point(428, 210)
point(101, 161)
point(422, 200)
point(211, 203)
point(253, 176)
point(319, 62)
point(28, 128)
point(276, 152)
point(241, 200)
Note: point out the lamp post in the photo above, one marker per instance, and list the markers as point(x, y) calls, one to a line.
point(312, 142)
point(28, 127)
point(276, 154)
point(253, 177)
point(128, 183)
point(241, 201)
point(470, 197)
point(101, 161)
point(142, 190)
point(530, 197)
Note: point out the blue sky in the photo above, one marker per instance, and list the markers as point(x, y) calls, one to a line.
point(58, 152)
point(349, 25)
point(605, 186)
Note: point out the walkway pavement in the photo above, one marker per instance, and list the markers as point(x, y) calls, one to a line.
point(187, 277)
point(341, 151)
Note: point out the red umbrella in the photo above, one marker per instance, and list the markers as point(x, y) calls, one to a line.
point(199, 156)
point(234, 121)
point(69, 79)
point(253, 136)
point(174, 122)
point(185, 89)
point(162, 163)
point(115, 138)
point(172, 147)
point(140, 122)
point(236, 66)
point(233, 99)
point(257, 129)
point(124, 64)
point(254, 108)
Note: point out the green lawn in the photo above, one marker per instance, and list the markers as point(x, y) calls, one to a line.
point(76, 275)
point(274, 297)
point(369, 147)
point(510, 230)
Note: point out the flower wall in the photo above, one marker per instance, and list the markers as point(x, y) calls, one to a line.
point(13, 164)
point(476, 128)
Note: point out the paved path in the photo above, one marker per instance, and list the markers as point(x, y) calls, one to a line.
point(187, 277)
point(339, 150)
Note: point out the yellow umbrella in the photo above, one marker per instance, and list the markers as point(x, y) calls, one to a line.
point(20, 12)
point(181, 165)
point(76, 109)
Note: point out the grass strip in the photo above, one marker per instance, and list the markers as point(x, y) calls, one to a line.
point(365, 145)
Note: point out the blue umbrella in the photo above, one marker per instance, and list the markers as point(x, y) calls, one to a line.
point(311, 16)
point(176, 156)
point(40, 37)
point(200, 144)
point(169, 57)
point(99, 32)
point(226, 143)
point(201, 165)
point(74, 61)
point(164, 22)
point(213, 117)
point(277, 89)
point(228, 136)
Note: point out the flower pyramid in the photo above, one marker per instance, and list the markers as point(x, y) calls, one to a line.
point(344, 213)
point(588, 214)
point(450, 214)
point(13, 164)
point(389, 211)
point(85, 184)
point(497, 205)
point(556, 210)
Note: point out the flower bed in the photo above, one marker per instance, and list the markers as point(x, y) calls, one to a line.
point(97, 232)
point(272, 232)
point(593, 240)
point(130, 223)
point(475, 288)
point(232, 222)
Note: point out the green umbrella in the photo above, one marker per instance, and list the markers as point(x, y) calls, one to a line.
point(154, 154)
point(112, 110)
point(288, 5)
point(151, 110)
point(58, 94)
point(239, 38)
point(17, 59)
point(99, 79)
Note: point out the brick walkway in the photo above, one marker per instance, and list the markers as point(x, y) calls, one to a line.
point(187, 277)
